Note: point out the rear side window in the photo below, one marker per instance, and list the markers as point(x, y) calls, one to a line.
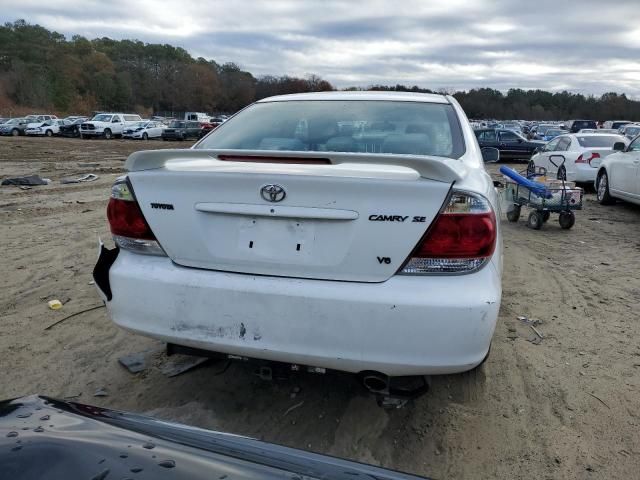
point(508, 137)
point(563, 144)
point(580, 124)
point(487, 136)
point(359, 126)
point(599, 141)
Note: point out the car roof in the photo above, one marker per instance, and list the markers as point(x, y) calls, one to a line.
point(388, 96)
point(575, 135)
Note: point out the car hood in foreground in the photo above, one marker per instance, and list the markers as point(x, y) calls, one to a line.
point(41, 437)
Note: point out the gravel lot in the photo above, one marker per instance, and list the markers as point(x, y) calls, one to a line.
point(568, 407)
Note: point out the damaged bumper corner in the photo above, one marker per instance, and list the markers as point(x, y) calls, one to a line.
point(106, 258)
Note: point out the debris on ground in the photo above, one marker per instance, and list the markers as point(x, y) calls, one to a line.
point(137, 362)
point(54, 304)
point(89, 177)
point(292, 408)
point(535, 339)
point(178, 364)
point(537, 331)
point(26, 180)
point(101, 392)
point(529, 321)
point(74, 315)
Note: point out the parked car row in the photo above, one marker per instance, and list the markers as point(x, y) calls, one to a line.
point(112, 125)
point(605, 155)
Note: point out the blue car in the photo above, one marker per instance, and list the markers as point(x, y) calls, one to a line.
point(552, 133)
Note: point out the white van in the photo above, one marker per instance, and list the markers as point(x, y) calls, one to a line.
point(196, 117)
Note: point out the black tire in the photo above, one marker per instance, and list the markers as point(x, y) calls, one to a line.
point(48, 133)
point(545, 216)
point(567, 220)
point(562, 174)
point(15, 132)
point(108, 135)
point(602, 189)
point(535, 220)
point(514, 214)
point(145, 136)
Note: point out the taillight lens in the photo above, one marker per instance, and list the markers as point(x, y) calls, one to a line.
point(128, 226)
point(587, 157)
point(461, 238)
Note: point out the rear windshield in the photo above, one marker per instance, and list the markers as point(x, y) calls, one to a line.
point(176, 125)
point(360, 126)
point(601, 141)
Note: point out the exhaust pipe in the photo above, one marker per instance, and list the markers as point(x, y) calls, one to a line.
point(376, 382)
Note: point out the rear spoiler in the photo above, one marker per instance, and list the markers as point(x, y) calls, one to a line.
point(435, 168)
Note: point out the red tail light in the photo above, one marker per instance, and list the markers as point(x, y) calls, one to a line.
point(126, 220)
point(129, 228)
point(460, 239)
point(587, 157)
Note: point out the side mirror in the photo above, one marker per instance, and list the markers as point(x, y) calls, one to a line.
point(490, 154)
point(619, 147)
point(537, 150)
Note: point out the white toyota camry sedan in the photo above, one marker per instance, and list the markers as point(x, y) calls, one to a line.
point(354, 231)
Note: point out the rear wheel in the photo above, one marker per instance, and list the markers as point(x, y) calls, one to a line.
point(535, 220)
point(567, 220)
point(602, 189)
point(107, 134)
point(513, 215)
point(15, 132)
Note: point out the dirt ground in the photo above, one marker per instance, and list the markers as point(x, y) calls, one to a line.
point(568, 407)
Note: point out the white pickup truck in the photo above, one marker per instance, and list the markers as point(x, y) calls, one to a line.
point(108, 125)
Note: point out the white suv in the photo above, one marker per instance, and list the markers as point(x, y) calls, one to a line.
point(343, 230)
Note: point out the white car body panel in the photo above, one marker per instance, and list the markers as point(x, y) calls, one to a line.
point(40, 129)
point(576, 172)
point(350, 313)
point(623, 172)
point(153, 130)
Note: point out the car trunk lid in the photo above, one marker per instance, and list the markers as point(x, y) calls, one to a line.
point(290, 216)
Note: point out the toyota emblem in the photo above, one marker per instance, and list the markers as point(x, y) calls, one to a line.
point(273, 193)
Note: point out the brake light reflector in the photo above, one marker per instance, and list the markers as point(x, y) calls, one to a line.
point(128, 226)
point(587, 157)
point(460, 239)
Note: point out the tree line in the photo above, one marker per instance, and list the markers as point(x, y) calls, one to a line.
point(42, 69)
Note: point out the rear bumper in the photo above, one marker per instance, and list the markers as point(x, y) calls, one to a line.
point(408, 325)
point(582, 174)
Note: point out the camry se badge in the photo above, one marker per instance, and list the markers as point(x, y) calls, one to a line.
point(273, 193)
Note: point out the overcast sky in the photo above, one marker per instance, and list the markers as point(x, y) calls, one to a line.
point(592, 47)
